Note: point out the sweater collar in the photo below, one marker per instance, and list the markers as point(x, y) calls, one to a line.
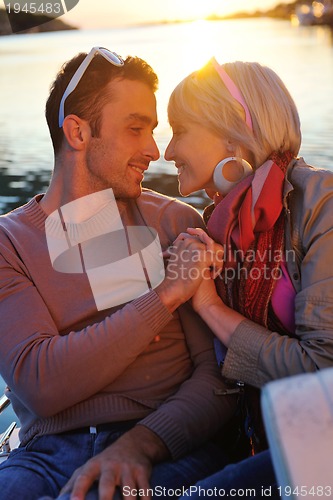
point(128, 211)
point(35, 213)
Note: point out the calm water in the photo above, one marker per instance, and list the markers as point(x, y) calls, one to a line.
point(303, 57)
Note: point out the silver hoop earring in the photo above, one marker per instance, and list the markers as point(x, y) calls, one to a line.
point(222, 183)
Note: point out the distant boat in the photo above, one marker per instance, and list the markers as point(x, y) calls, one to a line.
point(303, 15)
point(317, 13)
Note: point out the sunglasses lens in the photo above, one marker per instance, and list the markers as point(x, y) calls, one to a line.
point(112, 56)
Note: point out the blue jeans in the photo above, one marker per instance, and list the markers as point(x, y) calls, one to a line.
point(44, 465)
point(253, 477)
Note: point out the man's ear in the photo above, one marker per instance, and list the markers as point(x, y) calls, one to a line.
point(76, 131)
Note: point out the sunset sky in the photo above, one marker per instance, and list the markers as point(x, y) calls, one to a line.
point(105, 13)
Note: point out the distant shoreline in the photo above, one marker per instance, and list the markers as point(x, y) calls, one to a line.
point(38, 23)
point(282, 11)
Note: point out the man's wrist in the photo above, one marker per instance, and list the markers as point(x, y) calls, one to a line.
point(149, 443)
point(168, 296)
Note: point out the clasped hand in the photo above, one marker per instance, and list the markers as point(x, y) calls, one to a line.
point(193, 258)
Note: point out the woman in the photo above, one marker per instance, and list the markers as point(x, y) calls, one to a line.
point(236, 134)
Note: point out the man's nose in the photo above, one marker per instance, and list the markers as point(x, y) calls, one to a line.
point(152, 150)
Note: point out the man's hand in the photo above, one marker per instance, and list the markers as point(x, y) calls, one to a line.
point(193, 257)
point(127, 462)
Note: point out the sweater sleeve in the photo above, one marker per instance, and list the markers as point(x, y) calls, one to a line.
point(195, 412)
point(42, 365)
point(45, 369)
point(257, 355)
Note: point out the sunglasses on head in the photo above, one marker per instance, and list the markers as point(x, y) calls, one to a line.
point(111, 57)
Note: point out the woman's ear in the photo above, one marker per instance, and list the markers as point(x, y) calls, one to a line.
point(76, 131)
point(230, 147)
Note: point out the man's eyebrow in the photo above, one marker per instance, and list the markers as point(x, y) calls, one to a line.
point(142, 118)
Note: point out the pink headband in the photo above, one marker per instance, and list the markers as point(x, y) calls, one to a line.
point(234, 91)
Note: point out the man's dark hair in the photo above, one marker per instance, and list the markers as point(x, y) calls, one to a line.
point(89, 97)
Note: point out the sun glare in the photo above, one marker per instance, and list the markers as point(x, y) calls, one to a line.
point(197, 56)
point(131, 11)
point(199, 10)
point(200, 41)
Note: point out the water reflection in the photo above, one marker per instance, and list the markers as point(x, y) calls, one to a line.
point(17, 189)
point(167, 184)
point(302, 57)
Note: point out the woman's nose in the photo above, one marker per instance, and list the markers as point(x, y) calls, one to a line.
point(168, 155)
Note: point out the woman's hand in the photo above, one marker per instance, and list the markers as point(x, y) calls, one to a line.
point(215, 250)
point(205, 296)
point(221, 319)
point(191, 258)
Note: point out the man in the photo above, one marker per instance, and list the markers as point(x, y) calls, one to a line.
point(86, 369)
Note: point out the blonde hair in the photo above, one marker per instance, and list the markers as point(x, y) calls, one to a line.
point(203, 98)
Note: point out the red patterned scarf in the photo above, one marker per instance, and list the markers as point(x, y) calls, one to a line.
point(249, 223)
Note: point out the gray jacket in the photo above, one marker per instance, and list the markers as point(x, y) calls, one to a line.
point(257, 355)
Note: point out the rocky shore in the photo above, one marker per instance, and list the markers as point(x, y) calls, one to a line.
point(39, 23)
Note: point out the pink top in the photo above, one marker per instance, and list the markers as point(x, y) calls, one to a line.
point(283, 300)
